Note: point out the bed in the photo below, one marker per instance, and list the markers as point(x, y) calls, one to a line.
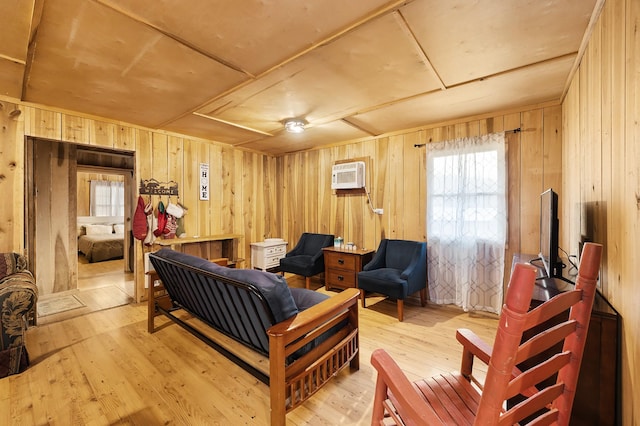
point(99, 242)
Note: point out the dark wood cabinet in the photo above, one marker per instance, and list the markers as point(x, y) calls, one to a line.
point(597, 395)
point(341, 266)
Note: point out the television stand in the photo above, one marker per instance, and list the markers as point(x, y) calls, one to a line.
point(597, 400)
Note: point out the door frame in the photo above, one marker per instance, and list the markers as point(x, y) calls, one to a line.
point(31, 192)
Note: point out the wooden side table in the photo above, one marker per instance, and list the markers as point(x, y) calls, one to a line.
point(341, 266)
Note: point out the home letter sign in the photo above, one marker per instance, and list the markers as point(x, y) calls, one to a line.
point(204, 181)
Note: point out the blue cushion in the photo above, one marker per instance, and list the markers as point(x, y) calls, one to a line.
point(273, 287)
point(195, 261)
point(305, 298)
point(300, 265)
point(386, 281)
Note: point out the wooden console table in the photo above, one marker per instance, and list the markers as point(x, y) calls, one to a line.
point(207, 247)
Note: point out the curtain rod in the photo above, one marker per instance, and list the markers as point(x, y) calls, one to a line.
point(518, 130)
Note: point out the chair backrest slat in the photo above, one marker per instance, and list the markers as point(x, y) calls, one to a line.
point(536, 374)
point(545, 340)
point(544, 312)
point(532, 405)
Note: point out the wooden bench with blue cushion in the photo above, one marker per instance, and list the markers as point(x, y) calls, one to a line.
point(308, 336)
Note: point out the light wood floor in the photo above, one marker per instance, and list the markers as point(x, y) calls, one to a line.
point(103, 368)
point(101, 285)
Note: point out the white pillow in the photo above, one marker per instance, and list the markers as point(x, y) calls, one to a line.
point(118, 228)
point(98, 229)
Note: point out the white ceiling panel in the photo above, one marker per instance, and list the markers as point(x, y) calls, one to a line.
point(334, 81)
point(11, 78)
point(466, 40)
point(15, 26)
point(252, 35)
point(101, 62)
point(232, 71)
point(527, 86)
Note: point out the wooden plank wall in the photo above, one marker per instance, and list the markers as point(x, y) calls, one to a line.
point(601, 180)
point(397, 181)
point(11, 178)
point(242, 197)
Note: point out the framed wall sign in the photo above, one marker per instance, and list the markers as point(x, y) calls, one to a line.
point(204, 181)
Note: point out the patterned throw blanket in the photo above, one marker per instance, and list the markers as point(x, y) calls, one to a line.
point(18, 296)
point(10, 263)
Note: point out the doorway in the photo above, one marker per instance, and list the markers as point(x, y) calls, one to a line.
point(102, 263)
point(51, 213)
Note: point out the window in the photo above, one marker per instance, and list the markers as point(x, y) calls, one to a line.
point(107, 198)
point(466, 221)
point(466, 195)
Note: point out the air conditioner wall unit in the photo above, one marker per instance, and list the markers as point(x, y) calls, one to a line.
point(348, 175)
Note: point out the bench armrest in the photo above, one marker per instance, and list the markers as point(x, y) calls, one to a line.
point(291, 383)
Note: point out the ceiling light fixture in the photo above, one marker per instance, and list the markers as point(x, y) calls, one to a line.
point(294, 125)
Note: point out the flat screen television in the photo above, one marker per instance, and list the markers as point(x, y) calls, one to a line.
point(549, 227)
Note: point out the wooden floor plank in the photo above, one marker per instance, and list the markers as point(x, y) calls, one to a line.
point(104, 368)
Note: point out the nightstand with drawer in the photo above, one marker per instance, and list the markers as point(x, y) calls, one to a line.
point(266, 255)
point(341, 266)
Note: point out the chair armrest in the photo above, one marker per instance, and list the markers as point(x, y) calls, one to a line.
point(378, 260)
point(411, 407)
point(415, 260)
point(297, 248)
point(472, 346)
point(317, 256)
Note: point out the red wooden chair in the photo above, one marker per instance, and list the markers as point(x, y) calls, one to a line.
point(458, 398)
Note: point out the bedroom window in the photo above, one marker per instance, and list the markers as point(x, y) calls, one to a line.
point(467, 221)
point(107, 198)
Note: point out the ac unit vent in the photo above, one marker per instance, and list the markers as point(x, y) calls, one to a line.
point(348, 175)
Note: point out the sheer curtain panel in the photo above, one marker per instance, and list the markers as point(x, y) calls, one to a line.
point(467, 221)
point(107, 198)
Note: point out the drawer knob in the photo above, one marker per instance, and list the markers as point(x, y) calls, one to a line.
point(341, 261)
point(340, 278)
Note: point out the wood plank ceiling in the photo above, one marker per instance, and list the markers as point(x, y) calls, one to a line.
point(233, 71)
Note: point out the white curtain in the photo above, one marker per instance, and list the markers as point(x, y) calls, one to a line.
point(467, 221)
point(107, 198)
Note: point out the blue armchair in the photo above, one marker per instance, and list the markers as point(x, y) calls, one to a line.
point(307, 258)
point(398, 269)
